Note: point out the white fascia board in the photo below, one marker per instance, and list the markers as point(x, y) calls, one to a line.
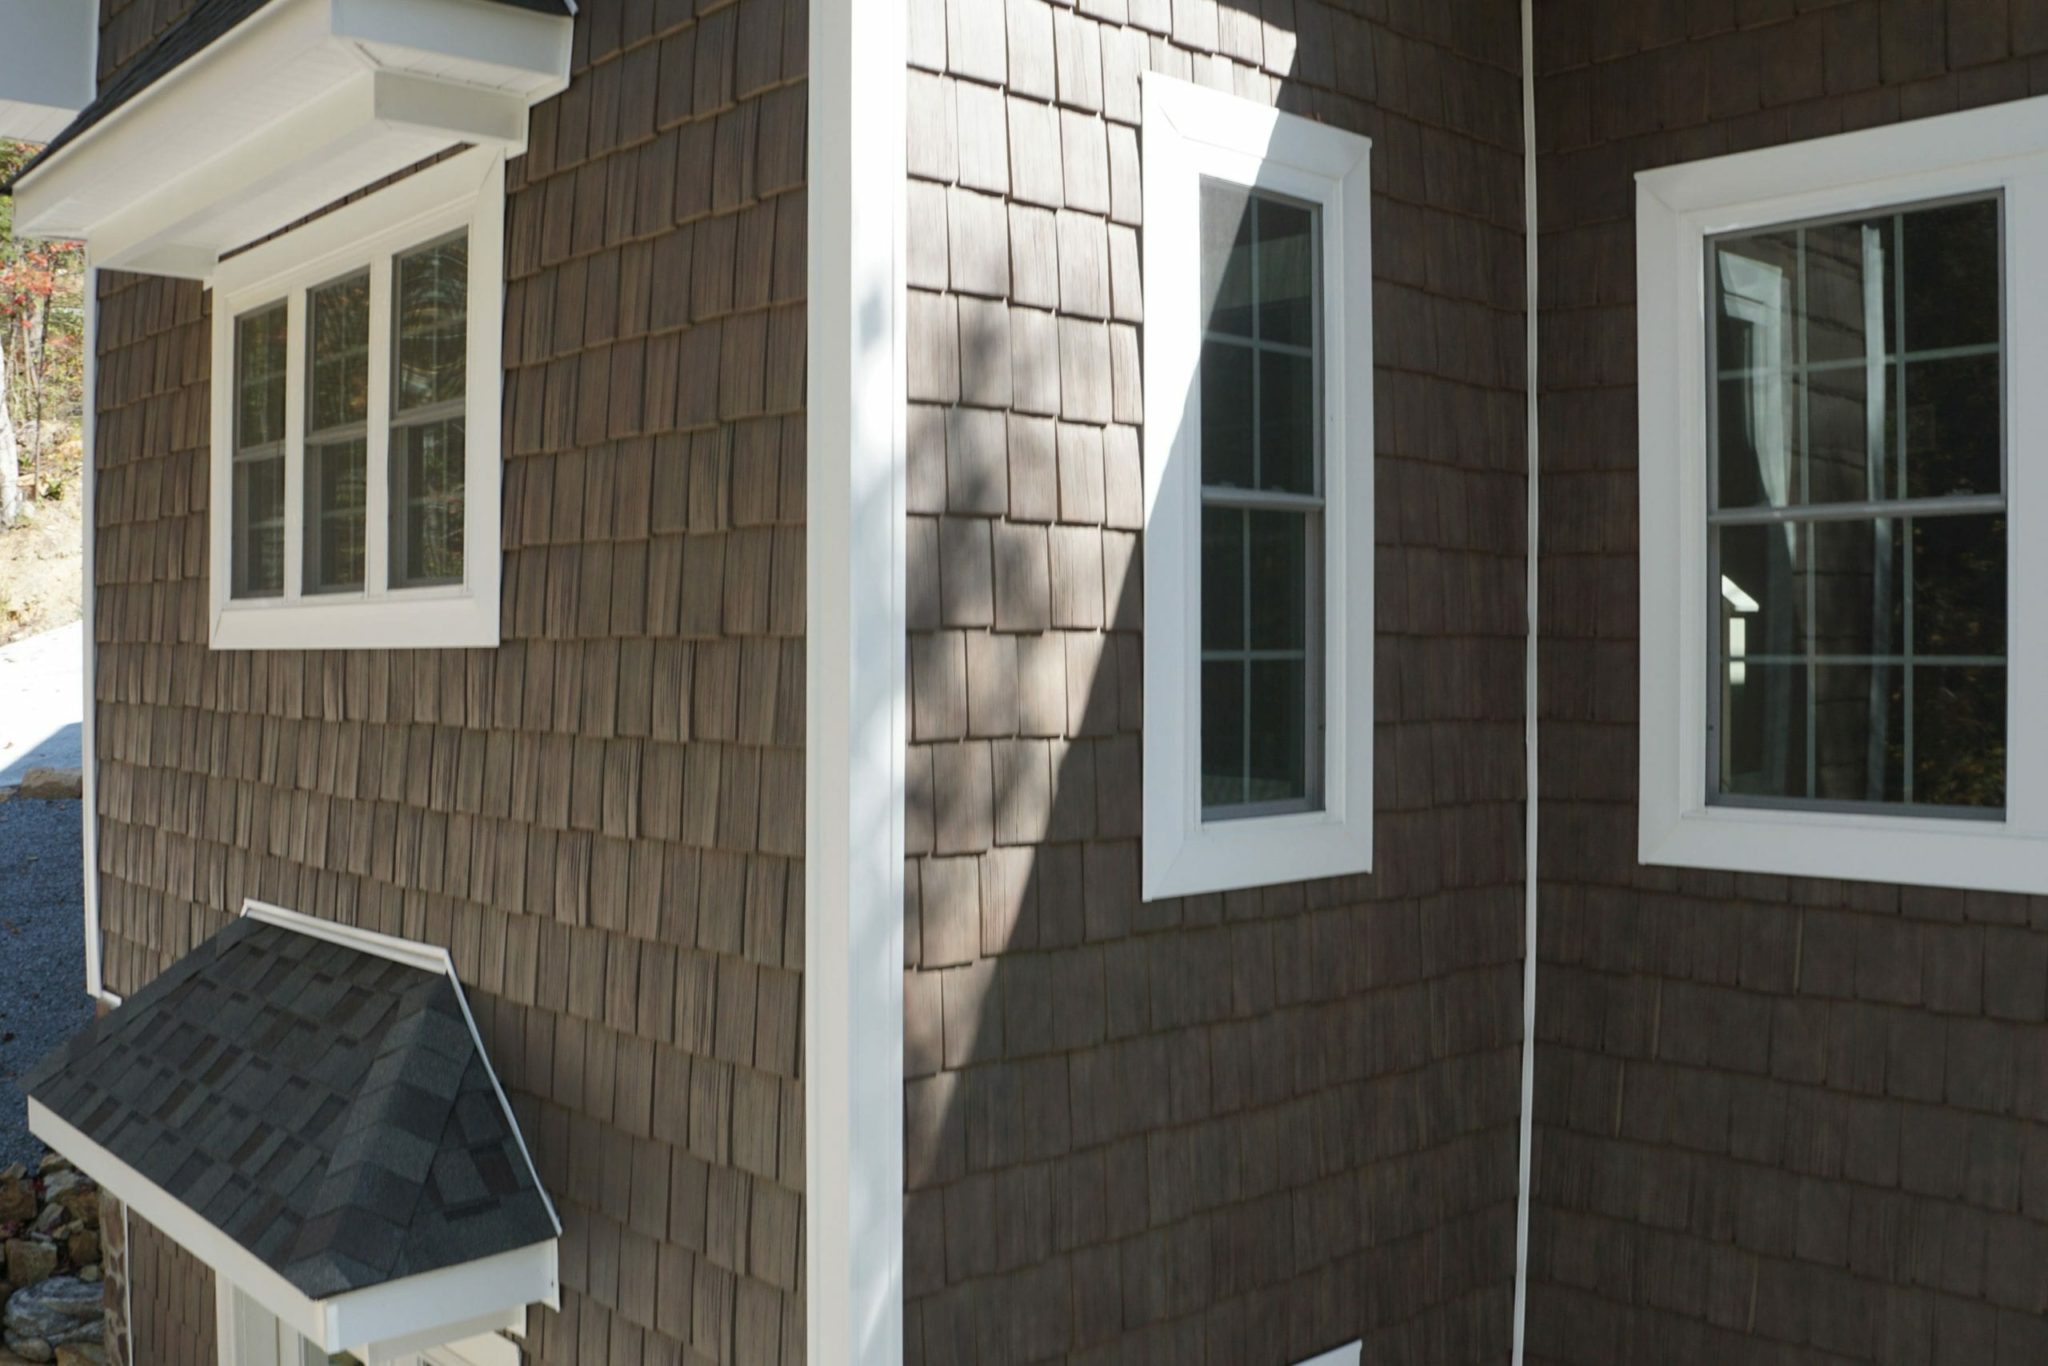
point(181, 1224)
point(46, 65)
point(295, 107)
point(450, 1304)
point(855, 631)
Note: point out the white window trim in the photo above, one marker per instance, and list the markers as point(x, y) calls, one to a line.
point(464, 192)
point(1191, 133)
point(2001, 148)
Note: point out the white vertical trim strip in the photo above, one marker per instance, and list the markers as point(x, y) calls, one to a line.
point(88, 729)
point(1530, 685)
point(855, 729)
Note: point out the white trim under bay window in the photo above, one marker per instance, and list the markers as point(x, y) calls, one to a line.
point(1258, 293)
point(448, 216)
point(1842, 212)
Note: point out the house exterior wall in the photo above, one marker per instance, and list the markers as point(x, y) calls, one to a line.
point(1777, 1120)
point(601, 820)
point(1239, 1128)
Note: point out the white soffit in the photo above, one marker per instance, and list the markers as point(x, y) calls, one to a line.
point(46, 65)
point(299, 105)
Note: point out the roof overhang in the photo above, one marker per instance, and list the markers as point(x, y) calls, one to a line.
point(299, 105)
point(46, 66)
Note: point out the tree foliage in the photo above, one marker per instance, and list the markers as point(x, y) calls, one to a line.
point(42, 331)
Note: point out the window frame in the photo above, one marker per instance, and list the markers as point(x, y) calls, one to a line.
point(465, 193)
point(1680, 210)
point(1189, 134)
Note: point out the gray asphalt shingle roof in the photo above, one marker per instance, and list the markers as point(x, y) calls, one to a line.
point(327, 1108)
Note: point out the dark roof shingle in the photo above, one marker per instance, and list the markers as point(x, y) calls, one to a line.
point(327, 1108)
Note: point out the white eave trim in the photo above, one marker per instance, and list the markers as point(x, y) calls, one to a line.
point(456, 1299)
point(299, 105)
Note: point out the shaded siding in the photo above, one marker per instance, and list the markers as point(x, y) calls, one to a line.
point(1778, 1120)
point(1235, 1129)
point(172, 1299)
point(602, 820)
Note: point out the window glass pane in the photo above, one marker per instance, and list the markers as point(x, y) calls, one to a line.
point(1286, 271)
point(259, 528)
point(1959, 737)
point(1851, 435)
point(1279, 731)
point(426, 503)
point(1763, 590)
point(1755, 287)
point(1763, 725)
point(1223, 734)
point(432, 305)
point(1851, 299)
point(1959, 586)
point(1227, 399)
point(260, 378)
point(1857, 596)
point(1287, 422)
point(1223, 575)
point(337, 448)
point(336, 513)
point(1951, 276)
point(1859, 735)
point(1226, 258)
point(1954, 428)
point(1279, 580)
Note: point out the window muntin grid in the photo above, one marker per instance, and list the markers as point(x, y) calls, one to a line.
point(1857, 540)
point(1262, 504)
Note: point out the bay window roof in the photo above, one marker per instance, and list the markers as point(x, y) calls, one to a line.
point(249, 115)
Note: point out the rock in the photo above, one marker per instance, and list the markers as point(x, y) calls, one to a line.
point(17, 1200)
point(81, 1354)
point(30, 1260)
point(85, 1273)
point(62, 1311)
point(83, 1247)
point(54, 1162)
point(52, 1216)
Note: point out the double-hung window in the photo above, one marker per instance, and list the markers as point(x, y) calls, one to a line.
point(1836, 435)
point(1258, 455)
point(357, 396)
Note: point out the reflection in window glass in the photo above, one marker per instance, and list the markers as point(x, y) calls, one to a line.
point(1262, 504)
point(258, 477)
point(1858, 524)
point(429, 381)
point(337, 433)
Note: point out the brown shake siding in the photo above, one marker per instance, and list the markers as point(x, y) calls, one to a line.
point(601, 820)
point(1778, 1120)
point(1236, 1129)
point(172, 1300)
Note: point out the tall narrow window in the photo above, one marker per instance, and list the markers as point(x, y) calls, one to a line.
point(1262, 504)
point(1258, 448)
point(428, 411)
point(337, 433)
point(1857, 518)
point(258, 513)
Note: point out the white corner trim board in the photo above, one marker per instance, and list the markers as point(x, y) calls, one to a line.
point(855, 726)
point(2002, 149)
point(1192, 134)
point(88, 716)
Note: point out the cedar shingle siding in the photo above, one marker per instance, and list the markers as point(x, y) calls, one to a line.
point(1232, 1129)
point(1778, 1120)
point(602, 820)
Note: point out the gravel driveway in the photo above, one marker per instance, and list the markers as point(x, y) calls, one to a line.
point(42, 951)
